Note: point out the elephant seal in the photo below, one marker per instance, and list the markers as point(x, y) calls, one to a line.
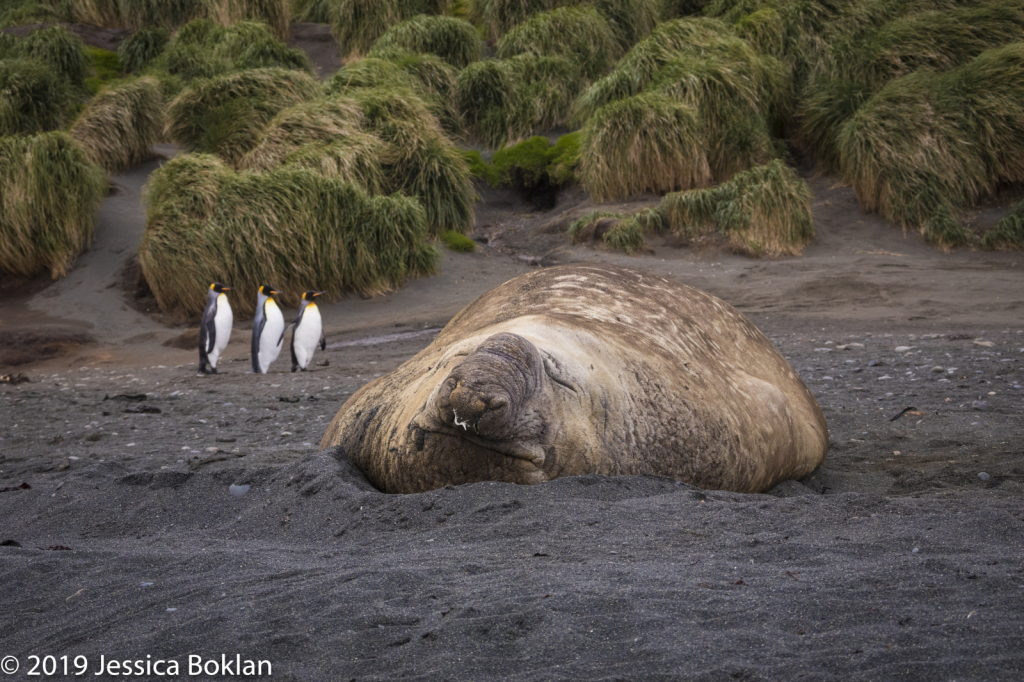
point(587, 369)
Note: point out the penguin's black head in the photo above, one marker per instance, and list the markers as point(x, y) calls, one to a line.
point(268, 290)
point(310, 295)
point(220, 288)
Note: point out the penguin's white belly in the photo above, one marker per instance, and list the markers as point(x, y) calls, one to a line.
point(307, 335)
point(270, 339)
point(222, 322)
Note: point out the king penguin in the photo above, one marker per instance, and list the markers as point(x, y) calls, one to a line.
point(267, 330)
point(215, 328)
point(308, 332)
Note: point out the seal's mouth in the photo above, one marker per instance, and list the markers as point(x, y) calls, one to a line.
point(529, 456)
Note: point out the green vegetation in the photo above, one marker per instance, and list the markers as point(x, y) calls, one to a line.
point(456, 241)
point(564, 157)
point(226, 115)
point(646, 143)
point(58, 49)
point(763, 211)
point(105, 64)
point(297, 228)
point(25, 12)
point(423, 76)
point(203, 49)
point(171, 14)
point(357, 24)
point(120, 123)
point(453, 40)
point(502, 101)
point(49, 196)
point(383, 139)
point(480, 169)
point(1008, 232)
point(582, 227)
point(929, 144)
point(580, 34)
point(32, 98)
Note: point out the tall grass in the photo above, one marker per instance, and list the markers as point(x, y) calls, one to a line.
point(668, 41)
point(225, 115)
point(453, 40)
point(171, 14)
point(423, 163)
point(431, 79)
point(385, 140)
point(120, 123)
point(646, 143)
point(489, 99)
point(356, 24)
point(630, 20)
point(436, 83)
point(49, 195)
point(763, 211)
point(929, 144)
point(580, 34)
point(1008, 232)
point(32, 98)
point(296, 228)
point(60, 50)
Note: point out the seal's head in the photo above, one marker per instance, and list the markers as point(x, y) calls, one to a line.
point(492, 393)
point(496, 409)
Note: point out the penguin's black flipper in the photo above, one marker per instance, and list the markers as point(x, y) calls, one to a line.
point(323, 341)
point(257, 332)
point(295, 360)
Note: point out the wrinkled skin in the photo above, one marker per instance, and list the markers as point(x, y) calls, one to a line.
point(587, 369)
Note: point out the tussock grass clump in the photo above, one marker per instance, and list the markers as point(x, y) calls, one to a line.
point(763, 211)
point(384, 139)
point(32, 98)
point(169, 15)
point(437, 83)
point(60, 50)
point(578, 227)
point(49, 195)
point(547, 88)
point(320, 121)
point(489, 100)
point(429, 78)
point(581, 34)
point(646, 143)
point(669, 40)
point(203, 49)
point(423, 162)
point(296, 228)
point(225, 115)
point(356, 24)
point(626, 235)
point(1008, 232)
point(630, 20)
point(504, 100)
point(453, 40)
point(120, 123)
point(25, 12)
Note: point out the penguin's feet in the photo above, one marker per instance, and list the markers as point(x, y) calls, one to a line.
point(294, 367)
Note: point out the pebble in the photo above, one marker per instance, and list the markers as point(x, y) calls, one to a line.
point(983, 476)
point(903, 349)
point(876, 363)
point(884, 377)
point(980, 405)
point(916, 550)
point(238, 490)
point(938, 370)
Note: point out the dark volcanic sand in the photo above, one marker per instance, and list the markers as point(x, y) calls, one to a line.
point(895, 560)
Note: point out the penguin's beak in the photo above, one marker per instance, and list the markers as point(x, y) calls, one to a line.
point(228, 288)
point(318, 293)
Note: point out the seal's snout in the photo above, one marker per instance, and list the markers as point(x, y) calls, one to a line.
point(485, 393)
point(470, 406)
